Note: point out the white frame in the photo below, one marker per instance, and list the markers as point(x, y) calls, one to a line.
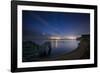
point(53, 63)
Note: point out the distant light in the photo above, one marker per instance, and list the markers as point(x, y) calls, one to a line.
point(72, 37)
point(65, 37)
point(54, 37)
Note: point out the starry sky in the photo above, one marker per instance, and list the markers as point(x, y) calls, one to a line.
point(55, 23)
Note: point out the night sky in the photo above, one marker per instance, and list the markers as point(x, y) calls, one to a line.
point(55, 23)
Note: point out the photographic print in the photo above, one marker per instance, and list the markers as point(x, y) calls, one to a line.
point(49, 36)
point(55, 36)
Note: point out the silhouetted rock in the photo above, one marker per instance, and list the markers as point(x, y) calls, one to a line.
point(33, 51)
point(47, 46)
point(30, 50)
point(87, 36)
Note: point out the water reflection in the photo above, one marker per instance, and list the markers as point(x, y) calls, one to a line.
point(63, 46)
point(54, 43)
point(36, 49)
point(59, 46)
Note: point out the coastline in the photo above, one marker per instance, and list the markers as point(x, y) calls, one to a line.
point(41, 53)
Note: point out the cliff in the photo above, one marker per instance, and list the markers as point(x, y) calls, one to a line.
point(81, 52)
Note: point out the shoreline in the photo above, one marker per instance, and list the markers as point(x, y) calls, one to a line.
point(82, 52)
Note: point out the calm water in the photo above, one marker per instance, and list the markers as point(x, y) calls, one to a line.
point(61, 46)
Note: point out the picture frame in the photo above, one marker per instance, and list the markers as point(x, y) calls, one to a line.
point(19, 14)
